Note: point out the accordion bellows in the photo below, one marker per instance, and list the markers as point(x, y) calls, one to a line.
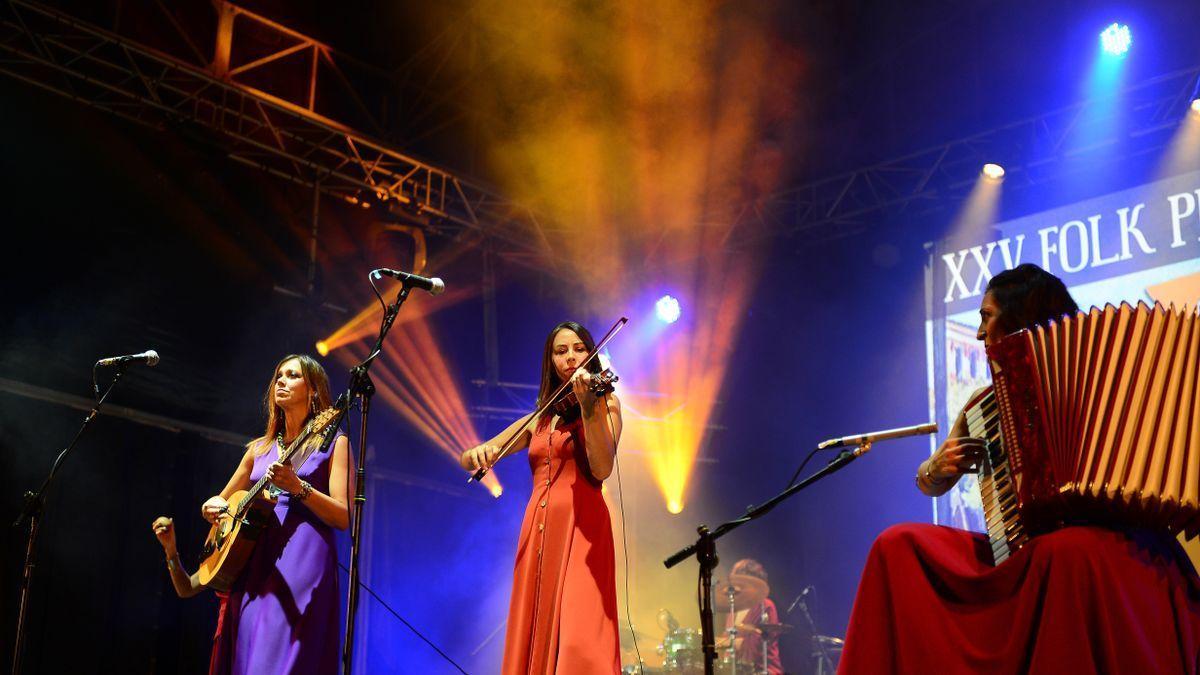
point(1093, 418)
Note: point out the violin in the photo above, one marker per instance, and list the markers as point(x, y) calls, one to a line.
point(567, 405)
point(563, 399)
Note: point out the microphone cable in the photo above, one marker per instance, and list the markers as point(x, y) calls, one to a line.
point(361, 583)
point(402, 620)
point(624, 539)
point(801, 467)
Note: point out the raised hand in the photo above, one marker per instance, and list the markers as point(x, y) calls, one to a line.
point(164, 529)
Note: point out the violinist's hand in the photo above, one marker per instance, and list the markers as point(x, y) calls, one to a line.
point(481, 456)
point(284, 477)
point(581, 382)
point(955, 457)
point(213, 508)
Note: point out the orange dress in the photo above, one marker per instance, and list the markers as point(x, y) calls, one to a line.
point(563, 614)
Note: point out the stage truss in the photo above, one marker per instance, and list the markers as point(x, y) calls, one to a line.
point(1033, 151)
point(268, 107)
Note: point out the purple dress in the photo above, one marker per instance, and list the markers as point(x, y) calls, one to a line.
point(282, 611)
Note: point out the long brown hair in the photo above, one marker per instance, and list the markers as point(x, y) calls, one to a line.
point(550, 378)
point(319, 399)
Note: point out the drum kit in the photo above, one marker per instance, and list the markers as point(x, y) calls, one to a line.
point(681, 650)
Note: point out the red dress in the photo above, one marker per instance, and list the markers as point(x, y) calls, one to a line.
point(1080, 600)
point(563, 613)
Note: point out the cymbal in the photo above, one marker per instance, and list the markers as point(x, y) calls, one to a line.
point(748, 591)
point(774, 630)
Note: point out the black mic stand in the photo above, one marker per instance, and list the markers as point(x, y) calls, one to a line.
point(35, 504)
point(705, 548)
point(362, 388)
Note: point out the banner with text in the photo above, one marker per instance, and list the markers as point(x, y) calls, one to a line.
point(1138, 244)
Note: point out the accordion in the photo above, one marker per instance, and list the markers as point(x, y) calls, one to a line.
point(1092, 418)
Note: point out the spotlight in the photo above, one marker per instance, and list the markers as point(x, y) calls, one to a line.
point(667, 309)
point(993, 171)
point(322, 348)
point(1116, 39)
point(674, 507)
point(1196, 106)
point(497, 491)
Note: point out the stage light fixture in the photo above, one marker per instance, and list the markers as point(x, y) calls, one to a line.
point(322, 348)
point(1196, 107)
point(993, 171)
point(1116, 39)
point(667, 309)
point(674, 507)
point(497, 490)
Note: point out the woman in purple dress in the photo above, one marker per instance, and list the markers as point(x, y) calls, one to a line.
point(282, 613)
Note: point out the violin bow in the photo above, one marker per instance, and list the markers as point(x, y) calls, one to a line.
point(507, 447)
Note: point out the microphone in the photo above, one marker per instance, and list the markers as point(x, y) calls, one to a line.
point(799, 599)
point(432, 284)
point(148, 357)
point(862, 439)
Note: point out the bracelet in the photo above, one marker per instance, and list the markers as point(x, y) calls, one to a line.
point(171, 564)
point(306, 489)
point(933, 482)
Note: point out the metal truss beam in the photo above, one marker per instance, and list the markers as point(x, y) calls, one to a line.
point(247, 97)
point(1032, 151)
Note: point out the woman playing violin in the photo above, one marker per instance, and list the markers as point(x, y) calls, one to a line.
point(563, 613)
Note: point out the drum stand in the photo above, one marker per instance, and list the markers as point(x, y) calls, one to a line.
point(819, 651)
point(732, 631)
point(766, 644)
point(705, 547)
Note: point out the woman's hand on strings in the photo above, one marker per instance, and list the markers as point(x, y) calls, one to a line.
point(482, 456)
point(213, 508)
point(581, 382)
point(284, 477)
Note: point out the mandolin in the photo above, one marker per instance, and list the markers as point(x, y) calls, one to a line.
point(232, 537)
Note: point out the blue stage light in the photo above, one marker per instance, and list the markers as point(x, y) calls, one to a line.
point(667, 309)
point(1116, 39)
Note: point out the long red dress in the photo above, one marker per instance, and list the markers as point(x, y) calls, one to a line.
point(563, 613)
point(1080, 600)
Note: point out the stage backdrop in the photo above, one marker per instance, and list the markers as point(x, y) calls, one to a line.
point(1137, 244)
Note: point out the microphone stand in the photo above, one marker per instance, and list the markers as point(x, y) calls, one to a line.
point(362, 388)
point(705, 548)
point(34, 507)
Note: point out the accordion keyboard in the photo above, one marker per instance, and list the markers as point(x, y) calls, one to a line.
point(997, 491)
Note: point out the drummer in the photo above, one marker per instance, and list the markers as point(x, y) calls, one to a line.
point(752, 608)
